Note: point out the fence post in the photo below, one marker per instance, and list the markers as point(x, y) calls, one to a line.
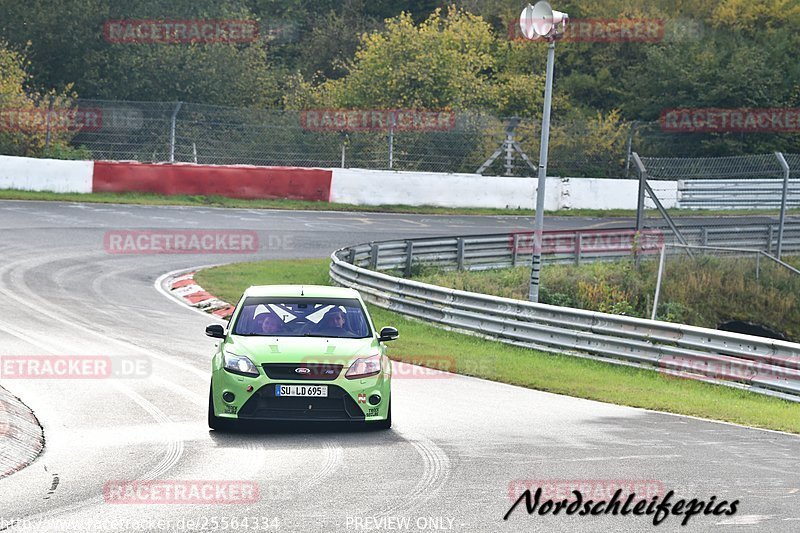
point(409, 258)
point(785, 166)
point(628, 147)
point(391, 139)
point(351, 257)
point(460, 254)
point(658, 281)
point(640, 198)
point(173, 121)
point(373, 257)
point(578, 247)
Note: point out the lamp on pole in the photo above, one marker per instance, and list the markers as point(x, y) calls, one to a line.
point(541, 22)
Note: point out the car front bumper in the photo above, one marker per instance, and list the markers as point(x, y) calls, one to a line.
point(347, 401)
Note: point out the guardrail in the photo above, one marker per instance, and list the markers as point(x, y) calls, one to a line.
point(479, 252)
point(758, 364)
point(732, 194)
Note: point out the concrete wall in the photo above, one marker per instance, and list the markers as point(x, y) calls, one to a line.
point(381, 187)
point(350, 186)
point(29, 174)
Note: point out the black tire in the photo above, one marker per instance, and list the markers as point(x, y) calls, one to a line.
point(214, 422)
point(384, 424)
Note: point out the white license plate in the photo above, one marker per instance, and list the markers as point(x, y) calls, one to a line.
point(320, 391)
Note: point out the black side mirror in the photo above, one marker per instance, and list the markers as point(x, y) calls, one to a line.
point(216, 331)
point(388, 334)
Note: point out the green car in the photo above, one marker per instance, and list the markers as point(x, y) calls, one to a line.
point(297, 353)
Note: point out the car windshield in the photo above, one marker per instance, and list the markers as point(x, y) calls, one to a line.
point(302, 317)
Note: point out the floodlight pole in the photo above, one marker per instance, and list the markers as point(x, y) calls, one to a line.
point(538, 226)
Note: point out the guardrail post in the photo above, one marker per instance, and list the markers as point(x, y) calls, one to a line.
point(515, 245)
point(409, 258)
point(758, 266)
point(578, 239)
point(351, 256)
point(373, 257)
point(770, 237)
point(460, 254)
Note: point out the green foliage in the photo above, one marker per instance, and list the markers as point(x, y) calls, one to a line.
point(440, 63)
point(66, 47)
point(25, 111)
point(429, 54)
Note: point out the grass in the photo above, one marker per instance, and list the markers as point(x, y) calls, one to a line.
point(221, 201)
point(528, 368)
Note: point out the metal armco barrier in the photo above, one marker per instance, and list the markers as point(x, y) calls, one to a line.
point(757, 364)
point(733, 194)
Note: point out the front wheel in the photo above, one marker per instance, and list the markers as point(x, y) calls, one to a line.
point(214, 422)
point(384, 424)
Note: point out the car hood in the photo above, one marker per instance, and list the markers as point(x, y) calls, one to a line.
point(302, 349)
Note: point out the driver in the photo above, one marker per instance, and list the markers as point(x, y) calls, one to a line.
point(334, 324)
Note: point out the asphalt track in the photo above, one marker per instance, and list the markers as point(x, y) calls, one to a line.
point(457, 444)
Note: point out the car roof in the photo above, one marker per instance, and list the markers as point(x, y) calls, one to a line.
point(308, 291)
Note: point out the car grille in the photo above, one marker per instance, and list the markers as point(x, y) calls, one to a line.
point(316, 371)
point(338, 406)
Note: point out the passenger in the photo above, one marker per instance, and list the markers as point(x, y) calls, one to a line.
point(271, 324)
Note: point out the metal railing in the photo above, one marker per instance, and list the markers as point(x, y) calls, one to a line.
point(480, 252)
point(758, 364)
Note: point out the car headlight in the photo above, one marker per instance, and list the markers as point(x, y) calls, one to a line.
point(364, 367)
point(239, 364)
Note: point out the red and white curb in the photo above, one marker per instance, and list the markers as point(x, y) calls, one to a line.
point(186, 289)
point(21, 435)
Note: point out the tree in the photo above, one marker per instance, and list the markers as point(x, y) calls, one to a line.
point(66, 45)
point(27, 117)
point(444, 62)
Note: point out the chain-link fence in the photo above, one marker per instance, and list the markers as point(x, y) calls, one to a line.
point(468, 142)
point(697, 198)
point(182, 132)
